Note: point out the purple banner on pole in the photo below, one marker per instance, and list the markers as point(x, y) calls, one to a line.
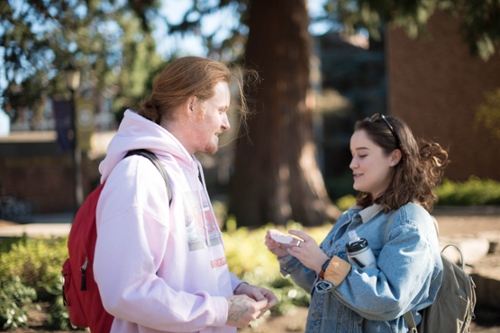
point(62, 115)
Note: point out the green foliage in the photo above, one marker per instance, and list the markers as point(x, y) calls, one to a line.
point(105, 41)
point(37, 262)
point(488, 114)
point(15, 297)
point(7, 242)
point(345, 202)
point(480, 19)
point(340, 186)
point(32, 262)
point(141, 65)
point(480, 24)
point(58, 316)
point(230, 48)
point(474, 191)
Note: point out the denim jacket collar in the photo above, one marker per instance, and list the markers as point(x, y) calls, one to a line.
point(367, 213)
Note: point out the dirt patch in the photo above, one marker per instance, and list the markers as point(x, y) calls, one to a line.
point(488, 321)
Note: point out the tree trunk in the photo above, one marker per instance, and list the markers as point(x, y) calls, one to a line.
point(276, 176)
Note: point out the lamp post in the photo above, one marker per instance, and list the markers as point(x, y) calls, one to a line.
point(73, 82)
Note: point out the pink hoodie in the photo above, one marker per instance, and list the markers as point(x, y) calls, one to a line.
point(158, 268)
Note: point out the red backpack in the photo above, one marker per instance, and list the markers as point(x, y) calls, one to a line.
point(80, 292)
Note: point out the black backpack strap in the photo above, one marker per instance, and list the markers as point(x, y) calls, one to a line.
point(152, 157)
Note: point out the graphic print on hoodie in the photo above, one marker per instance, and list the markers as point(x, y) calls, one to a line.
point(198, 223)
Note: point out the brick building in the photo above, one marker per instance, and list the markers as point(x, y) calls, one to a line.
point(34, 170)
point(436, 86)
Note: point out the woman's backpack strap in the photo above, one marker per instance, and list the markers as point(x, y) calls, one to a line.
point(410, 321)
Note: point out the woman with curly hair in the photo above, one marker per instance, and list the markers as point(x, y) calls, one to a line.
point(395, 176)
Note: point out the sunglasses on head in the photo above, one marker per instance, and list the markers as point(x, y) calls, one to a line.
point(378, 116)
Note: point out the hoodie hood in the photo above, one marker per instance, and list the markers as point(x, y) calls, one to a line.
point(137, 132)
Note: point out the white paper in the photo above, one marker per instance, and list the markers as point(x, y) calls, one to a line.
point(282, 239)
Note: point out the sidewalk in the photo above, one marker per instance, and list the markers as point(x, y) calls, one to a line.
point(452, 220)
point(41, 226)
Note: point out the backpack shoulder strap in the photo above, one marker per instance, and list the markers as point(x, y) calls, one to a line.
point(436, 225)
point(389, 223)
point(391, 218)
point(410, 321)
point(152, 157)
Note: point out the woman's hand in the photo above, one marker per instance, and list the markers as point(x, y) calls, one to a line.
point(307, 251)
point(279, 249)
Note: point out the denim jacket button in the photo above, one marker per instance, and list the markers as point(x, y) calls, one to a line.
point(316, 315)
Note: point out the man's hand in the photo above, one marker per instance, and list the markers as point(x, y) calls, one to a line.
point(242, 310)
point(258, 294)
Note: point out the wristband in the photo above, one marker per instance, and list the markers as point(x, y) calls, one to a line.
point(323, 268)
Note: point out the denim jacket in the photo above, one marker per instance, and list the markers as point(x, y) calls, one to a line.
point(407, 277)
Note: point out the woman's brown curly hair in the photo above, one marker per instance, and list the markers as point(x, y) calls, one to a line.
point(419, 171)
